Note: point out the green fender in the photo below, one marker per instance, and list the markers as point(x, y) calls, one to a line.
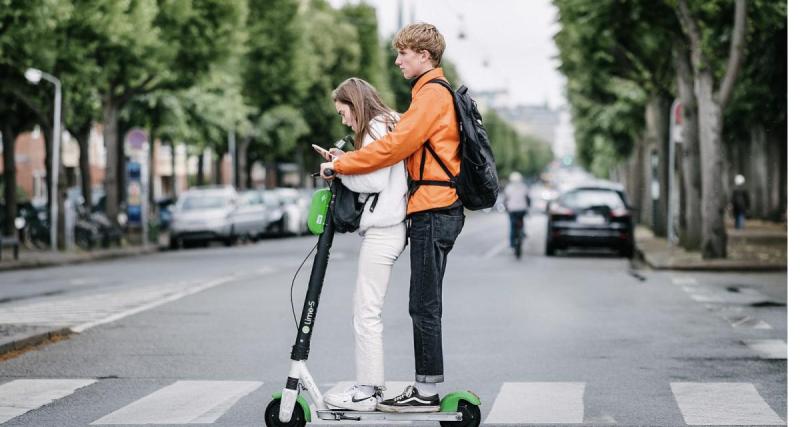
point(318, 210)
point(300, 399)
point(450, 401)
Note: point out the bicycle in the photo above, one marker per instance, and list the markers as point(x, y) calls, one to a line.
point(517, 232)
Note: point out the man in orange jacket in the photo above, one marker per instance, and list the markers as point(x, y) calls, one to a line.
point(435, 214)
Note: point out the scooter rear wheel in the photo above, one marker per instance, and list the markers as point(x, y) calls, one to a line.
point(470, 416)
point(273, 409)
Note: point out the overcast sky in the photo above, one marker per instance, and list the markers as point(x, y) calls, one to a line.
point(508, 44)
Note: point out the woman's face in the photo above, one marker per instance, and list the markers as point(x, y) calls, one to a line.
point(346, 113)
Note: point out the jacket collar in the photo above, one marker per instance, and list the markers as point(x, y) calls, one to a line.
point(417, 83)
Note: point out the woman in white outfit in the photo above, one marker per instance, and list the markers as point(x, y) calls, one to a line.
point(384, 233)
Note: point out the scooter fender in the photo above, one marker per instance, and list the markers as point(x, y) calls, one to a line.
point(450, 401)
point(291, 396)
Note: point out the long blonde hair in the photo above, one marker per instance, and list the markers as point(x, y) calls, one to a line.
point(365, 104)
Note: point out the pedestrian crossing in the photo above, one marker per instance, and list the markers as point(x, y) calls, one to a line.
point(187, 402)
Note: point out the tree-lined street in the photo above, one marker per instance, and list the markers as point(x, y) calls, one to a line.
point(582, 338)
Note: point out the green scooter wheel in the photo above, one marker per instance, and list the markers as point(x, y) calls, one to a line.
point(274, 408)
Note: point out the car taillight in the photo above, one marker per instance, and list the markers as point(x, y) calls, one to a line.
point(557, 209)
point(619, 212)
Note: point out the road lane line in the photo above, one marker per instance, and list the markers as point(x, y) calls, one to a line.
point(723, 404)
point(495, 250)
point(169, 298)
point(683, 280)
point(768, 349)
point(183, 402)
point(538, 403)
point(20, 396)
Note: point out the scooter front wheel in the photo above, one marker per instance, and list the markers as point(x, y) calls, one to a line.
point(470, 416)
point(274, 408)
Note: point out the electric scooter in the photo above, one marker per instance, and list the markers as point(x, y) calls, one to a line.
point(288, 407)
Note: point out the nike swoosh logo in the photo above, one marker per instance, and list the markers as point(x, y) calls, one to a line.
point(360, 400)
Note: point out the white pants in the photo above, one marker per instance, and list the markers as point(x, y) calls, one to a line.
point(379, 251)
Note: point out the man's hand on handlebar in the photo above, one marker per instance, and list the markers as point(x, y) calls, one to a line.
point(325, 169)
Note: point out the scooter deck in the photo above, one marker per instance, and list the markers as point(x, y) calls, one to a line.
point(347, 415)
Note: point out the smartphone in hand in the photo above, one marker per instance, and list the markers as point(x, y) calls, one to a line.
point(323, 152)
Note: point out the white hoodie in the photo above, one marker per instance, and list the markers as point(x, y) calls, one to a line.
point(390, 182)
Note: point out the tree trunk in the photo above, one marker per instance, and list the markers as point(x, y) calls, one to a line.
point(691, 233)
point(643, 175)
point(174, 183)
point(243, 179)
point(657, 139)
point(151, 173)
point(757, 168)
point(9, 180)
point(113, 174)
point(201, 159)
point(83, 164)
point(218, 178)
point(714, 200)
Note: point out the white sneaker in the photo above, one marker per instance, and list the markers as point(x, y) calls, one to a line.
point(352, 399)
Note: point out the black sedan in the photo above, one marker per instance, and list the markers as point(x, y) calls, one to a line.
point(594, 216)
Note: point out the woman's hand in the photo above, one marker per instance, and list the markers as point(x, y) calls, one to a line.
point(325, 166)
point(336, 152)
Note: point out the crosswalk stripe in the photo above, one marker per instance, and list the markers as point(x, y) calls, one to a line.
point(768, 349)
point(723, 404)
point(538, 403)
point(20, 396)
point(183, 402)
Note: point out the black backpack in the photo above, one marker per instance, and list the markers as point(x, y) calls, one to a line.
point(348, 207)
point(477, 185)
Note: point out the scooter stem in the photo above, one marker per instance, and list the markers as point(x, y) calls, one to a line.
point(302, 344)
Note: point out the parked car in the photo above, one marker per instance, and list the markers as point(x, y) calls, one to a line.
point(295, 210)
point(250, 216)
point(274, 211)
point(204, 214)
point(590, 215)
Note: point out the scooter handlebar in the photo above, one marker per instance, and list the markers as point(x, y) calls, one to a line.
point(328, 172)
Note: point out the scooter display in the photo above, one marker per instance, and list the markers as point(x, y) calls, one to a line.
point(289, 407)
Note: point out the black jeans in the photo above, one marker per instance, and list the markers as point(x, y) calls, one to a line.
point(432, 236)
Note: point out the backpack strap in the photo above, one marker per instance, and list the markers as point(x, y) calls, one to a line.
point(414, 184)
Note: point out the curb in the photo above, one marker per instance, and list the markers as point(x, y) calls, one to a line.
point(29, 341)
point(75, 259)
point(723, 265)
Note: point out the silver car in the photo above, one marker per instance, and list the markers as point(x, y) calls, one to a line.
point(251, 217)
point(204, 214)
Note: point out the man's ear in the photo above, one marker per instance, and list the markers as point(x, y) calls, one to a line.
point(426, 54)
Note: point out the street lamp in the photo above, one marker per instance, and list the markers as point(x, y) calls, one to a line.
point(35, 76)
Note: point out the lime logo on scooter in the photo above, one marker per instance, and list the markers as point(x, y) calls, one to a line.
point(309, 318)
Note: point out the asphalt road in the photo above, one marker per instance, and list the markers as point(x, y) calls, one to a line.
point(204, 335)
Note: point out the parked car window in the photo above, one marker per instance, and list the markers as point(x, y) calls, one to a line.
point(582, 199)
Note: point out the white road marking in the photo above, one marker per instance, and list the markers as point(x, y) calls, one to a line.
point(495, 250)
point(183, 402)
point(723, 404)
point(20, 396)
point(768, 349)
point(683, 280)
point(87, 311)
point(538, 403)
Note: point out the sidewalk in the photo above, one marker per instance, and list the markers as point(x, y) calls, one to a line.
point(761, 246)
point(45, 258)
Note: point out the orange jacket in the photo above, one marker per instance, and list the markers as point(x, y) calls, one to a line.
point(430, 117)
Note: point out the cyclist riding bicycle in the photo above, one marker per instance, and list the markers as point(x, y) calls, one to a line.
point(517, 202)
